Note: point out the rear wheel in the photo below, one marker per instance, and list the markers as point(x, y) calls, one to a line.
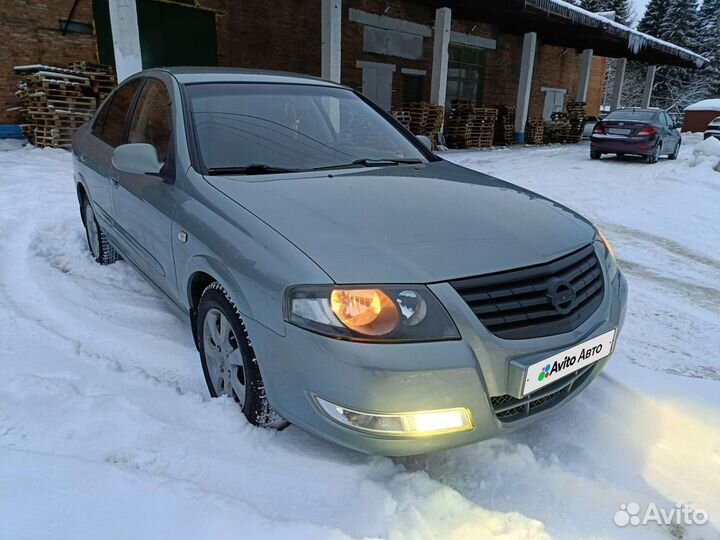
point(655, 156)
point(594, 154)
point(228, 359)
point(100, 248)
point(675, 153)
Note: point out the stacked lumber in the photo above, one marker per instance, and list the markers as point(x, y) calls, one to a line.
point(505, 127)
point(576, 118)
point(534, 131)
point(55, 102)
point(469, 126)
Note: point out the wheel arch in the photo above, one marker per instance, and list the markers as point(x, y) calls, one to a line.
point(202, 271)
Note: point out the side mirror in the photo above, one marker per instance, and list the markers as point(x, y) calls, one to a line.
point(427, 143)
point(137, 158)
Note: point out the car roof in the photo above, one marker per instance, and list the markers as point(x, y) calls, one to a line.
point(195, 75)
point(637, 109)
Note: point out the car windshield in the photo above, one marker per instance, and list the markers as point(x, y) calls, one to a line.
point(265, 128)
point(631, 116)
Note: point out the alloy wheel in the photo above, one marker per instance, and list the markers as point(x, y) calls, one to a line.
point(93, 234)
point(223, 356)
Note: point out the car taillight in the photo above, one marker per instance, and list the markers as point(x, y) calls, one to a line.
point(647, 131)
point(598, 129)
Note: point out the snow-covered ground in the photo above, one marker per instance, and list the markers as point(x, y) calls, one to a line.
point(106, 429)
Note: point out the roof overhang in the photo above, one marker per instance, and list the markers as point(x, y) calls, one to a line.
point(563, 24)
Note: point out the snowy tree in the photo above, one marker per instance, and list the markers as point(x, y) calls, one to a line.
point(624, 11)
point(681, 24)
point(677, 87)
point(653, 17)
point(709, 44)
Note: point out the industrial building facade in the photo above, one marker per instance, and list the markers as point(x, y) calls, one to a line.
point(504, 52)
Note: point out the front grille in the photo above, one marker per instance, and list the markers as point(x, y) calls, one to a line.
point(508, 408)
point(536, 301)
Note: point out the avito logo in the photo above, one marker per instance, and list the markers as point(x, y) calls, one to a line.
point(569, 361)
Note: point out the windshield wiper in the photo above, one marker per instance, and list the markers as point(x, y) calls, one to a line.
point(380, 162)
point(253, 168)
point(368, 162)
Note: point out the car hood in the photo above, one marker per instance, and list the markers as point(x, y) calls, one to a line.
point(409, 224)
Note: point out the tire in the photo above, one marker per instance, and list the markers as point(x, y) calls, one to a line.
point(655, 156)
point(101, 250)
point(621, 156)
point(228, 359)
point(675, 153)
point(594, 154)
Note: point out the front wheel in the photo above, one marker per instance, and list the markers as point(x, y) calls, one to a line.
point(594, 154)
point(100, 248)
point(228, 359)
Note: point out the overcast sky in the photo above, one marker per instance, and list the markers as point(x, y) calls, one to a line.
point(639, 8)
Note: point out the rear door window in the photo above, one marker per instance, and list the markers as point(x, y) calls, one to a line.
point(113, 127)
point(151, 122)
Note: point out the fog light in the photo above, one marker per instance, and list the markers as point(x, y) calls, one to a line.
point(408, 424)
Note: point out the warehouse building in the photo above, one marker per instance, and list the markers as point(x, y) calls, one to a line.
point(535, 55)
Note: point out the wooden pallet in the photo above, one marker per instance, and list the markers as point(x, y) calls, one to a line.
point(55, 101)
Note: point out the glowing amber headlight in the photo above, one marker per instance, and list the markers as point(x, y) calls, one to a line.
point(369, 313)
point(366, 311)
point(605, 241)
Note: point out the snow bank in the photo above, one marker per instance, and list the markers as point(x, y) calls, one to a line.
point(707, 151)
point(705, 105)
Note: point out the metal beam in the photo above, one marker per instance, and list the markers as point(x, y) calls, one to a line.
point(585, 71)
point(126, 38)
point(523, 95)
point(441, 42)
point(330, 46)
point(649, 82)
point(620, 65)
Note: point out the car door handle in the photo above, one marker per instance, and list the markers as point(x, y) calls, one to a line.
point(114, 181)
point(83, 159)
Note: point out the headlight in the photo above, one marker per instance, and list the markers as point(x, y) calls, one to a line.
point(610, 262)
point(372, 313)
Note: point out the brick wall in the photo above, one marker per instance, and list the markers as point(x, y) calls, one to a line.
point(30, 35)
point(285, 35)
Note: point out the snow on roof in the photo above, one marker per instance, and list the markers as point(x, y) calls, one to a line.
point(705, 105)
point(636, 40)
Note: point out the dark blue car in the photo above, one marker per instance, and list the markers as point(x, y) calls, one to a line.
point(642, 132)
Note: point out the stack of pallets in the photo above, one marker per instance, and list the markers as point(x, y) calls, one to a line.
point(505, 127)
point(434, 122)
point(55, 102)
point(102, 78)
point(418, 115)
point(421, 118)
point(558, 129)
point(576, 118)
point(469, 126)
point(404, 117)
point(534, 131)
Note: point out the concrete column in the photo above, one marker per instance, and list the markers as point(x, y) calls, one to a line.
point(441, 42)
point(126, 38)
point(585, 69)
point(330, 46)
point(620, 65)
point(649, 82)
point(523, 96)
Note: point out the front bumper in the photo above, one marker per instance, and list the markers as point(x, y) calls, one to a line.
point(388, 378)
